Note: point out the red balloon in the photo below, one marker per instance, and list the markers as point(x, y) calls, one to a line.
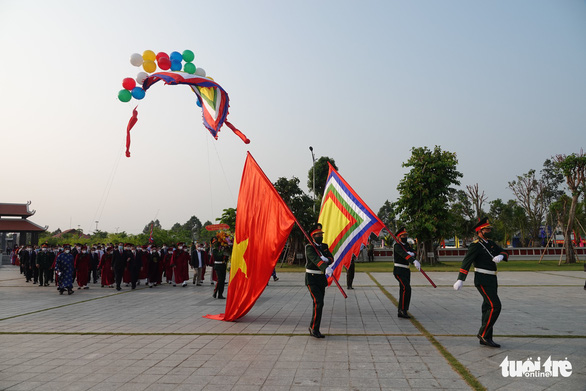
point(164, 63)
point(162, 55)
point(128, 83)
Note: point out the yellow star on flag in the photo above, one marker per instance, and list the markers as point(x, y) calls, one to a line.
point(238, 261)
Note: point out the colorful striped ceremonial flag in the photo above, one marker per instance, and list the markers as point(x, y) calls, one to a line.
point(263, 224)
point(346, 220)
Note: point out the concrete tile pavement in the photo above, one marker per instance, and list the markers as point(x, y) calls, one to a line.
point(157, 338)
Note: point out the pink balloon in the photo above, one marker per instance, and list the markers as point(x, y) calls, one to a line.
point(128, 83)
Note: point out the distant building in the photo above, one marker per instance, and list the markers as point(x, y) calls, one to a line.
point(14, 220)
point(73, 232)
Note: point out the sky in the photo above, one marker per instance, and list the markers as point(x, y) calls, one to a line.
point(501, 83)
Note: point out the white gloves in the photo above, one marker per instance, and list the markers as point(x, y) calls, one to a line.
point(324, 258)
point(411, 253)
point(329, 271)
point(417, 264)
point(498, 258)
point(458, 285)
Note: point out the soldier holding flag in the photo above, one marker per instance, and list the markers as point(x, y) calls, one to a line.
point(317, 270)
point(403, 253)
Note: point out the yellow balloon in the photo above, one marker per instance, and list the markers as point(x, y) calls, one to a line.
point(149, 66)
point(149, 55)
point(211, 78)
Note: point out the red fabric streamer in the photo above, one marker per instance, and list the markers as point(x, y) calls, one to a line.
point(133, 120)
point(238, 133)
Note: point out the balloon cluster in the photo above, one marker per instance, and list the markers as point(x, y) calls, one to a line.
point(150, 61)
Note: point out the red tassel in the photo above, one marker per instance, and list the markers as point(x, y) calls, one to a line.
point(238, 133)
point(133, 120)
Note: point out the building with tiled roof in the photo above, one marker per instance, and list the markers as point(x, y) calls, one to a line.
point(14, 219)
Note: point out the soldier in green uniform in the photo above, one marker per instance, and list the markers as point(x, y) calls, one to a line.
point(220, 260)
point(403, 253)
point(485, 255)
point(317, 269)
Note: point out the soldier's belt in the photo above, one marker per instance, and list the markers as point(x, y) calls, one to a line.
point(401, 265)
point(313, 271)
point(484, 271)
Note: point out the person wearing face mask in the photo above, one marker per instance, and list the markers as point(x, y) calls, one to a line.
point(167, 265)
point(94, 262)
point(403, 254)
point(155, 260)
point(180, 263)
point(64, 269)
point(134, 262)
point(220, 258)
point(144, 270)
point(106, 268)
point(317, 270)
point(45, 260)
point(26, 262)
point(119, 264)
point(82, 267)
point(485, 255)
point(197, 262)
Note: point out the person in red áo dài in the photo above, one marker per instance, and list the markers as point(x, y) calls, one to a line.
point(105, 266)
point(82, 268)
point(180, 263)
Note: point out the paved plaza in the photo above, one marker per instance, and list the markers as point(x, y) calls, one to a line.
point(157, 339)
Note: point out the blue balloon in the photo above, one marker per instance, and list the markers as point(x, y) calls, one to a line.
point(137, 93)
point(198, 103)
point(176, 56)
point(175, 65)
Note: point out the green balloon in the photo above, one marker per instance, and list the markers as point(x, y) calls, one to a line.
point(188, 56)
point(189, 68)
point(124, 95)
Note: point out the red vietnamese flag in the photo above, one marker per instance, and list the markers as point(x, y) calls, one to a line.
point(263, 224)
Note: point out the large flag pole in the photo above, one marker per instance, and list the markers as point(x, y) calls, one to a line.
point(302, 230)
point(401, 244)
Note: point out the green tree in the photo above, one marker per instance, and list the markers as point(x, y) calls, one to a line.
point(530, 192)
point(301, 205)
point(462, 216)
point(204, 234)
point(387, 215)
point(156, 225)
point(228, 217)
point(508, 219)
point(321, 176)
point(573, 167)
point(192, 225)
point(425, 192)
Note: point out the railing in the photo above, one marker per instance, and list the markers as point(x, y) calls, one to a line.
point(517, 253)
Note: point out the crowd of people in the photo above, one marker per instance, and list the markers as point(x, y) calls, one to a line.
point(123, 264)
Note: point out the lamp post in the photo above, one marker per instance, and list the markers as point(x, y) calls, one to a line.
point(97, 225)
point(313, 159)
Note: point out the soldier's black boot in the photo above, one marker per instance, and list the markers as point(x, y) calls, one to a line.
point(488, 342)
point(403, 314)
